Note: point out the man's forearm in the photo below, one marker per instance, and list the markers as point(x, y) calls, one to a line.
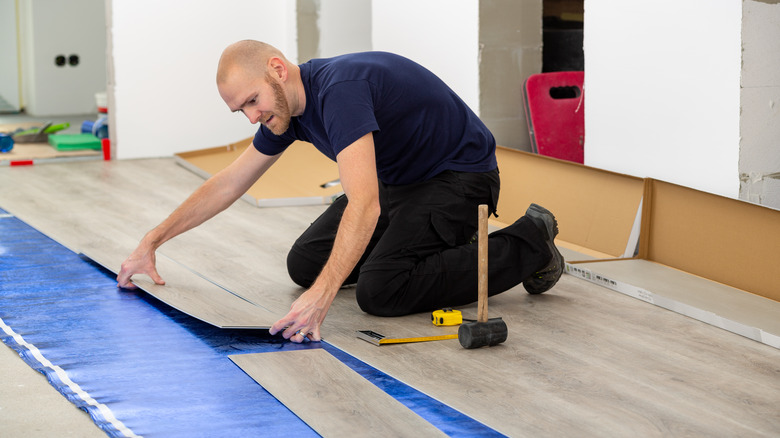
point(206, 202)
point(355, 230)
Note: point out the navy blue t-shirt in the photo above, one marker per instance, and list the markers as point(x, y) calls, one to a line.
point(420, 126)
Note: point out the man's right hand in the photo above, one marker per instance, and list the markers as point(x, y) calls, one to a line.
point(213, 196)
point(141, 261)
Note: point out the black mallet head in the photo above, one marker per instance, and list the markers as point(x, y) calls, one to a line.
point(482, 334)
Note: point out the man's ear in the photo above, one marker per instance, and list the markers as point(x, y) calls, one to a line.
point(277, 67)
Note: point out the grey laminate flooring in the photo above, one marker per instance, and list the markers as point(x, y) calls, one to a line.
point(330, 397)
point(580, 360)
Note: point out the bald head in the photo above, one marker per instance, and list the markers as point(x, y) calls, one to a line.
point(245, 57)
point(256, 79)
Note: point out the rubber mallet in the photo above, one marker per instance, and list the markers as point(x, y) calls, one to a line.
point(484, 332)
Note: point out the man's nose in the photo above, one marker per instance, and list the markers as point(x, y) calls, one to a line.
point(254, 116)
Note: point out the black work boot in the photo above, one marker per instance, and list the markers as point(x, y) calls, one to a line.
point(544, 279)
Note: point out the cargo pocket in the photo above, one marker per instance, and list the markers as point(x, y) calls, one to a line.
point(445, 229)
point(434, 235)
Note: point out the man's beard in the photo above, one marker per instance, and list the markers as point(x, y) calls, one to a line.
point(281, 113)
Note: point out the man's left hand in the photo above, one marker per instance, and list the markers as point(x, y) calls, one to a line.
point(305, 317)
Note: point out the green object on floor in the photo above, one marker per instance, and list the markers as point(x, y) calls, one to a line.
point(73, 142)
point(38, 134)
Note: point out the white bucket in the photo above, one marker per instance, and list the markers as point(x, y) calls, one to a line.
point(102, 102)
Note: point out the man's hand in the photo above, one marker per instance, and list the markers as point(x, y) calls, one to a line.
point(305, 317)
point(215, 195)
point(141, 261)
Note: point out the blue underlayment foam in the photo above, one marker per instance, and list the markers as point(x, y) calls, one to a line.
point(156, 370)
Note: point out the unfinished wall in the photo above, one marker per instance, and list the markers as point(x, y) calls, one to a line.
point(510, 40)
point(662, 85)
point(308, 13)
point(759, 155)
point(333, 27)
point(345, 27)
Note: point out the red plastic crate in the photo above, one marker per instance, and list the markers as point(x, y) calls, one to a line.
point(555, 112)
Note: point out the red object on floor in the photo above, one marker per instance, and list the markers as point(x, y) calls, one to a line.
point(106, 145)
point(555, 112)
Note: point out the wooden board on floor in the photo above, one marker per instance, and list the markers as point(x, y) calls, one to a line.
point(330, 397)
point(39, 151)
point(43, 151)
point(297, 178)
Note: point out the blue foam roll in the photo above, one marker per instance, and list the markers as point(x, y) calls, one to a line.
point(98, 128)
point(6, 143)
point(86, 127)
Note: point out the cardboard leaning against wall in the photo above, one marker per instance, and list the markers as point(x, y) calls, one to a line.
point(301, 176)
point(598, 211)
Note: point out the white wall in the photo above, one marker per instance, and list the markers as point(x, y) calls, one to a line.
point(442, 35)
point(50, 28)
point(662, 90)
point(9, 55)
point(165, 58)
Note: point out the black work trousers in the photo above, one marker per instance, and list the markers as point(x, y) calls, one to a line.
point(423, 253)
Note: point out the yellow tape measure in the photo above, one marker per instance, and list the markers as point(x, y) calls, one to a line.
point(446, 316)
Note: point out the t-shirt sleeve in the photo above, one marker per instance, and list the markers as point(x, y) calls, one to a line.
point(348, 113)
point(268, 143)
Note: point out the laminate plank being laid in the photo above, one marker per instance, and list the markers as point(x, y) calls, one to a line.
point(331, 398)
point(185, 290)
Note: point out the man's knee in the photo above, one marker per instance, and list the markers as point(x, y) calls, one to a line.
point(302, 271)
point(380, 295)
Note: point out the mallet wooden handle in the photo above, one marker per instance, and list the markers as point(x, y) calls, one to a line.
point(482, 264)
point(484, 332)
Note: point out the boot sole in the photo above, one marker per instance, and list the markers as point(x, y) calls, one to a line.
point(535, 285)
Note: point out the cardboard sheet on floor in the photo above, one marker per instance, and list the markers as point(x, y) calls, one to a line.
point(184, 290)
point(296, 179)
point(330, 397)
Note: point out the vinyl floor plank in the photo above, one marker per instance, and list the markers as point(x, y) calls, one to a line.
point(185, 290)
point(330, 397)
